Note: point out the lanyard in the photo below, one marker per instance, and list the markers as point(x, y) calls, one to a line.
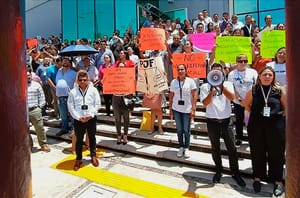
point(83, 94)
point(265, 98)
point(180, 89)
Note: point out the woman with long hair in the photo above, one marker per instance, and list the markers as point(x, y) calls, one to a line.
point(266, 105)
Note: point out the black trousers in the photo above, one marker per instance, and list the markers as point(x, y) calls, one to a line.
point(267, 147)
point(80, 129)
point(120, 110)
point(108, 102)
point(216, 129)
point(239, 120)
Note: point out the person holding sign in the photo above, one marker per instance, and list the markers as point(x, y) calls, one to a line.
point(182, 104)
point(119, 107)
point(279, 65)
point(107, 97)
point(266, 105)
point(242, 78)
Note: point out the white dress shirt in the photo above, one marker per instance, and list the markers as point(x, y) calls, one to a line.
point(77, 97)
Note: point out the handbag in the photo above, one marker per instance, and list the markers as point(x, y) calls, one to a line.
point(129, 102)
point(152, 101)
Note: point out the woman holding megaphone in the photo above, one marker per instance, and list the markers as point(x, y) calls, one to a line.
point(217, 100)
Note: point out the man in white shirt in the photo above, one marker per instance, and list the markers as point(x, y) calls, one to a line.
point(218, 109)
point(83, 105)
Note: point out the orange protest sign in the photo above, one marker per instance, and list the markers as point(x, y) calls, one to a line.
point(195, 64)
point(153, 39)
point(31, 42)
point(119, 80)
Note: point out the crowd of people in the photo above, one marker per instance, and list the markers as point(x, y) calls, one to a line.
point(73, 87)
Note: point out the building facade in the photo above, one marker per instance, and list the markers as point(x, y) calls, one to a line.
point(95, 18)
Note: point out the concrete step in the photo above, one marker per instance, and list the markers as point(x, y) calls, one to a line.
point(154, 150)
point(198, 125)
point(199, 142)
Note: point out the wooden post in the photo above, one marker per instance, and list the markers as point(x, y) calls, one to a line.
point(15, 172)
point(293, 100)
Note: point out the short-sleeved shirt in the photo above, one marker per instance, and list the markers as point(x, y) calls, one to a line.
point(187, 85)
point(220, 106)
point(242, 81)
point(51, 73)
point(64, 82)
point(280, 71)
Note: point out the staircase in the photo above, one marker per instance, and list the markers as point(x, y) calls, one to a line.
point(155, 145)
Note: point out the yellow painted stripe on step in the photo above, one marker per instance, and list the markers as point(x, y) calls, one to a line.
point(122, 182)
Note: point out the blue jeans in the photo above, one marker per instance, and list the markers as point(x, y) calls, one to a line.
point(183, 125)
point(64, 113)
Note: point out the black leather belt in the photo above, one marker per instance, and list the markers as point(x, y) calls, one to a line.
point(32, 108)
point(218, 120)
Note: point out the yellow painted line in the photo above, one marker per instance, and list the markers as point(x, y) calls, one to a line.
point(122, 182)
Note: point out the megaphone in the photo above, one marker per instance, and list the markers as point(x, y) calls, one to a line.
point(215, 78)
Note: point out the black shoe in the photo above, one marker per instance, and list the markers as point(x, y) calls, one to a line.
point(217, 178)
point(256, 186)
point(62, 132)
point(278, 190)
point(239, 180)
point(238, 142)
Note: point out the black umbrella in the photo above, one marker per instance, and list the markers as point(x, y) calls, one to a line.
point(77, 50)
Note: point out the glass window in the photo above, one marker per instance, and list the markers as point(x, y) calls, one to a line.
point(125, 15)
point(241, 17)
point(104, 18)
point(245, 6)
point(69, 19)
point(267, 5)
point(86, 19)
point(278, 16)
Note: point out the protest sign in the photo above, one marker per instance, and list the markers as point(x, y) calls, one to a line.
point(229, 47)
point(119, 81)
point(152, 39)
point(271, 41)
point(203, 41)
point(32, 42)
point(194, 62)
point(151, 76)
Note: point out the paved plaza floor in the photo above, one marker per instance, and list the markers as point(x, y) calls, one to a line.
point(126, 175)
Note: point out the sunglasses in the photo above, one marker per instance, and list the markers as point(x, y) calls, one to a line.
point(82, 80)
point(243, 61)
point(180, 69)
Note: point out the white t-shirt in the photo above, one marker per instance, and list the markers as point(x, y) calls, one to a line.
point(242, 81)
point(280, 71)
point(220, 106)
point(187, 85)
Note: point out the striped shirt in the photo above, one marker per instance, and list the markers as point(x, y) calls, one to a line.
point(35, 95)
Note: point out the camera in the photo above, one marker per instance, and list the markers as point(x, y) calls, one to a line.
point(180, 102)
point(84, 107)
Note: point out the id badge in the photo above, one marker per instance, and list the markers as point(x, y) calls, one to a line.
point(267, 111)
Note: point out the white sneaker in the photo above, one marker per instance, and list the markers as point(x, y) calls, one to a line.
point(180, 152)
point(186, 153)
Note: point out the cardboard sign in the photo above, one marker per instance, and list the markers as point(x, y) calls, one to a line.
point(119, 80)
point(229, 47)
point(194, 62)
point(271, 41)
point(152, 39)
point(31, 42)
point(151, 76)
point(203, 41)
